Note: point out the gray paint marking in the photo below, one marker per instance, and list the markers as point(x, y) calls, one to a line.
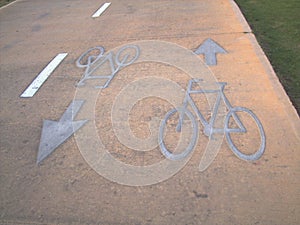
point(94, 62)
point(54, 133)
point(210, 49)
point(209, 125)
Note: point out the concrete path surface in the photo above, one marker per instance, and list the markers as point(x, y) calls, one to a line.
point(113, 170)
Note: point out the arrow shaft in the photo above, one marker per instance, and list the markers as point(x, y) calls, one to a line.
point(210, 59)
point(71, 111)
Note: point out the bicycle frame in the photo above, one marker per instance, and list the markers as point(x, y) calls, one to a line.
point(100, 61)
point(208, 125)
point(95, 62)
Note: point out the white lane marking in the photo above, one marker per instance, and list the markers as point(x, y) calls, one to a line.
point(9, 4)
point(101, 9)
point(42, 77)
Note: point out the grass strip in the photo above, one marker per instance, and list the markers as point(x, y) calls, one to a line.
point(5, 2)
point(276, 25)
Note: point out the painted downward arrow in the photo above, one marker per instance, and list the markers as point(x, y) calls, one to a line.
point(55, 133)
point(210, 49)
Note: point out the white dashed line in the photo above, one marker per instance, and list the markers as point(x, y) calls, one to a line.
point(101, 9)
point(42, 77)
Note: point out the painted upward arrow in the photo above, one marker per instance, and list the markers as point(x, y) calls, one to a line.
point(54, 133)
point(210, 48)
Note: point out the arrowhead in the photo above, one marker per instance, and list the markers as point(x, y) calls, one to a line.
point(210, 48)
point(55, 133)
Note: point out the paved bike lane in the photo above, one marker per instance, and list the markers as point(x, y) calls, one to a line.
point(64, 189)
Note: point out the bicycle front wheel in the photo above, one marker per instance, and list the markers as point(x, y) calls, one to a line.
point(173, 136)
point(248, 134)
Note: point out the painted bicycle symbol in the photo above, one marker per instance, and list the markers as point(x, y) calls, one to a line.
point(181, 112)
point(92, 61)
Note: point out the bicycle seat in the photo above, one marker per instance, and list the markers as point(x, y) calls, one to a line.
point(192, 85)
point(214, 88)
point(196, 80)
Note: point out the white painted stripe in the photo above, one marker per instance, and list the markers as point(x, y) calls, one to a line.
point(42, 77)
point(9, 4)
point(101, 9)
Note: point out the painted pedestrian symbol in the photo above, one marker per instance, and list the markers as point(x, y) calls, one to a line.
point(209, 128)
point(209, 48)
point(54, 133)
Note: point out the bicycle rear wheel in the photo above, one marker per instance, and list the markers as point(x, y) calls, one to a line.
point(260, 134)
point(89, 57)
point(188, 134)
